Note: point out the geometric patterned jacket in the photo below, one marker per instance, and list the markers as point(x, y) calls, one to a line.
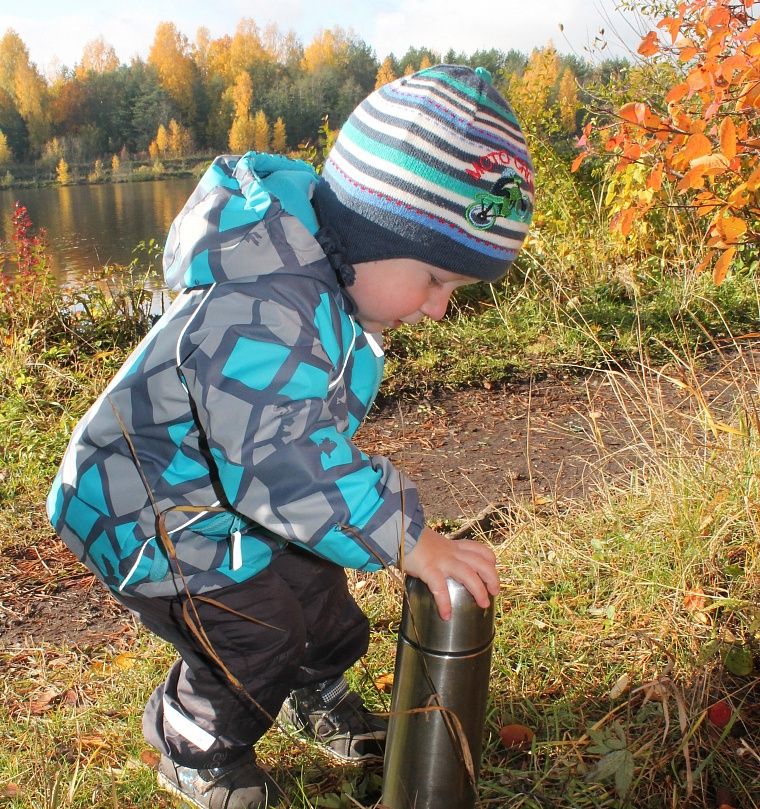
point(227, 432)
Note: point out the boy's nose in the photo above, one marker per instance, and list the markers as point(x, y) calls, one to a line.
point(435, 307)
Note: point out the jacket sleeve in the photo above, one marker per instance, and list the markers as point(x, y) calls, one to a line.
point(274, 410)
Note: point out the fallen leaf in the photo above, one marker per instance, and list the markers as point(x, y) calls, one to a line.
point(384, 682)
point(124, 661)
point(516, 737)
point(91, 740)
point(100, 667)
point(620, 687)
point(70, 697)
point(695, 600)
point(9, 790)
point(43, 702)
point(150, 757)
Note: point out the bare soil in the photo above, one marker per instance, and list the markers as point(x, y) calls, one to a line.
point(555, 439)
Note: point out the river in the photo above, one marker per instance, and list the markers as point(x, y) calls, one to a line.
point(89, 226)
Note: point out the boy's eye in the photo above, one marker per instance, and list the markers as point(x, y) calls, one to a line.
point(434, 282)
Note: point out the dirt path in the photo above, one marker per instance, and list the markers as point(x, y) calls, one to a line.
point(553, 439)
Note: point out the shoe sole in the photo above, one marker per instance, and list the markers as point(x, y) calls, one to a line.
point(167, 785)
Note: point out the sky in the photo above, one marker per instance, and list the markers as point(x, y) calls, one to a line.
point(55, 31)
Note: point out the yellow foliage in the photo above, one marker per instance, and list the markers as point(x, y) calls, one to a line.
point(246, 47)
point(531, 93)
point(261, 133)
point(241, 134)
point(23, 83)
point(98, 56)
point(568, 100)
point(385, 74)
point(62, 172)
point(180, 140)
point(170, 56)
point(327, 49)
point(218, 61)
point(162, 140)
point(279, 137)
point(5, 151)
point(242, 93)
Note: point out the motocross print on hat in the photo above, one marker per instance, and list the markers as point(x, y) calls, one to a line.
point(506, 199)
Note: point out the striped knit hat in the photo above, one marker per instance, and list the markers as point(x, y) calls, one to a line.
point(434, 167)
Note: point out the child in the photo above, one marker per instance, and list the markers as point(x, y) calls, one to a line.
point(214, 486)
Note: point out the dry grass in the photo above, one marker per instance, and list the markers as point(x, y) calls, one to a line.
point(623, 619)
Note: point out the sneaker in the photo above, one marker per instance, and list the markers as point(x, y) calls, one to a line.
point(336, 718)
point(241, 785)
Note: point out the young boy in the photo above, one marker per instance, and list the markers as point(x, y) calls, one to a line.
point(214, 486)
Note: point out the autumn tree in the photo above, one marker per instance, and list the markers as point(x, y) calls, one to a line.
point(386, 73)
point(279, 137)
point(567, 99)
point(532, 92)
point(170, 56)
point(241, 136)
point(22, 83)
point(97, 56)
point(202, 49)
point(697, 141)
point(62, 175)
point(241, 94)
point(162, 140)
point(327, 49)
point(261, 132)
point(5, 151)
point(180, 140)
point(246, 48)
point(243, 130)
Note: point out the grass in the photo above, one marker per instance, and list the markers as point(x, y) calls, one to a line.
point(523, 326)
point(622, 616)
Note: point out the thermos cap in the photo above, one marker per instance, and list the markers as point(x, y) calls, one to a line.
point(469, 629)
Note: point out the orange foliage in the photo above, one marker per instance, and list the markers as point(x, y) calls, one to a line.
point(703, 137)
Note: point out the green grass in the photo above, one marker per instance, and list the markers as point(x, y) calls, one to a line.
point(594, 592)
point(591, 595)
point(520, 328)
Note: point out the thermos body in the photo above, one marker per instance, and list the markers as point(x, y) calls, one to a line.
point(442, 670)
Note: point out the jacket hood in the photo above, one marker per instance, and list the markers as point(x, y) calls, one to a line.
point(233, 196)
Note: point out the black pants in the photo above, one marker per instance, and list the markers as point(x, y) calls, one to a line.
point(306, 628)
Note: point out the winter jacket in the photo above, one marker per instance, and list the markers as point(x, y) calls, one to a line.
point(243, 398)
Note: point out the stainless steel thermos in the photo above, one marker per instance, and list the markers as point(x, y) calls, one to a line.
point(442, 670)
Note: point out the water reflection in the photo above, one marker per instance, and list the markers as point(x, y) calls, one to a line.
point(89, 226)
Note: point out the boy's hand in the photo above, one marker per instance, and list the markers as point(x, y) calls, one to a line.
point(436, 558)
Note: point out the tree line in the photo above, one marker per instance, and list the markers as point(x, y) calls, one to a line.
point(257, 88)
